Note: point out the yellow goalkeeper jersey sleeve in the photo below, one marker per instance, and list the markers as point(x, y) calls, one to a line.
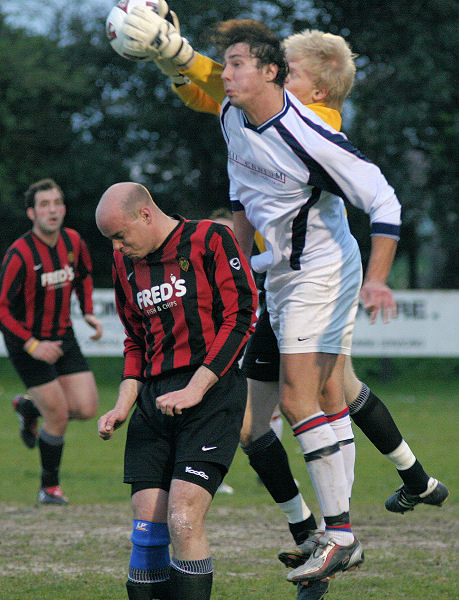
point(205, 93)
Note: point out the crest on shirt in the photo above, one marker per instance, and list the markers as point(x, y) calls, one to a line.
point(184, 263)
point(235, 263)
point(71, 257)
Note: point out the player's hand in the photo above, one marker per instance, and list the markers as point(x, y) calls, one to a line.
point(173, 403)
point(94, 322)
point(108, 423)
point(166, 65)
point(146, 33)
point(47, 351)
point(376, 296)
point(170, 69)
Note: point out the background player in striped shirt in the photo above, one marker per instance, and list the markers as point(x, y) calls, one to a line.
point(38, 275)
point(187, 300)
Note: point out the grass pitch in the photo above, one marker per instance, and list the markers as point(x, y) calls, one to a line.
point(81, 551)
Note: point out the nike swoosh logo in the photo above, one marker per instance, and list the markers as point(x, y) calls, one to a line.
point(300, 339)
point(130, 275)
point(36, 267)
point(206, 448)
point(262, 362)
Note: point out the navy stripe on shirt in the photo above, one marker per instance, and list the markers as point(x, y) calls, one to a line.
point(299, 226)
point(318, 176)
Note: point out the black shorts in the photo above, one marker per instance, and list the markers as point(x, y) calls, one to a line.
point(261, 358)
point(37, 372)
point(205, 433)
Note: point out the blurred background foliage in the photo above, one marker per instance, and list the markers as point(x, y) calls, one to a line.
point(71, 109)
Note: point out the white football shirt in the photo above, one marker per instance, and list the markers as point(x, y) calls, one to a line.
point(290, 175)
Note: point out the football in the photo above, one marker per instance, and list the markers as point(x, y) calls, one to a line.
point(116, 17)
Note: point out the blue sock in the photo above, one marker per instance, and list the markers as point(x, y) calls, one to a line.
point(150, 552)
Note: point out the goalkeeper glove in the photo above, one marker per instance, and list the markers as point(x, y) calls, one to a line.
point(146, 33)
point(170, 69)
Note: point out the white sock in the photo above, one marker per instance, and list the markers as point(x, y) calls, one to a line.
point(327, 472)
point(296, 509)
point(342, 426)
point(402, 456)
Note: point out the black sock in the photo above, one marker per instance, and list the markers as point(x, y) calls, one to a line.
point(148, 591)
point(376, 422)
point(372, 416)
point(301, 530)
point(194, 583)
point(415, 478)
point(51, 447)
point(267, 456)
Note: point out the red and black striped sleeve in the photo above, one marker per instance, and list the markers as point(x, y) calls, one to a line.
point(134, 342)
point(12, 276)
point(83, 283)
point(234, 298)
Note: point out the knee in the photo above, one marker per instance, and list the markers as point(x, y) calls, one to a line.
point(89, 412)
point(150, 542)
point(183, 525)
point(85, 411)
point(55, 415)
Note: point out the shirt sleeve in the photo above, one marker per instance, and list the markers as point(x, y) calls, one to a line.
point(83, 280)
point(12, 276)
point(235, 300)
point(206, 74)
point(338, 167)
point(195, 98)
point(134, 344)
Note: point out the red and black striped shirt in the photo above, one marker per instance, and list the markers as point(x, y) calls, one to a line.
point(192, 302)
point(36, 284)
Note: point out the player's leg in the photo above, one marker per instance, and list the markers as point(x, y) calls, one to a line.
point(31, 373)
point(191, 571)
point(206, 440)
point(337, 550)
point(49, 398)
point(80, 395)
point(337, 413)
point(148, 467)
point(262, 399)
point(265, 452)
point(376, 422)
point(268, 458)
point(149, 564)
point(313, 312)
point(303, 377)
point(77, 380)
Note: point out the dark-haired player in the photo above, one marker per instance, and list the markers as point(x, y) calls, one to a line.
point(40, 271)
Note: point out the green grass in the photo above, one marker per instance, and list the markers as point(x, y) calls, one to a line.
point(81, 551)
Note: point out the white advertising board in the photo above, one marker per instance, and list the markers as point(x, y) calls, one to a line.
point(427, 325)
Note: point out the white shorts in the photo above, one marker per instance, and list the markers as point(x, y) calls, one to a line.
point(314, 309)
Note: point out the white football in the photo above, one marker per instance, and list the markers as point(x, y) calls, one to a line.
point(115, 21)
